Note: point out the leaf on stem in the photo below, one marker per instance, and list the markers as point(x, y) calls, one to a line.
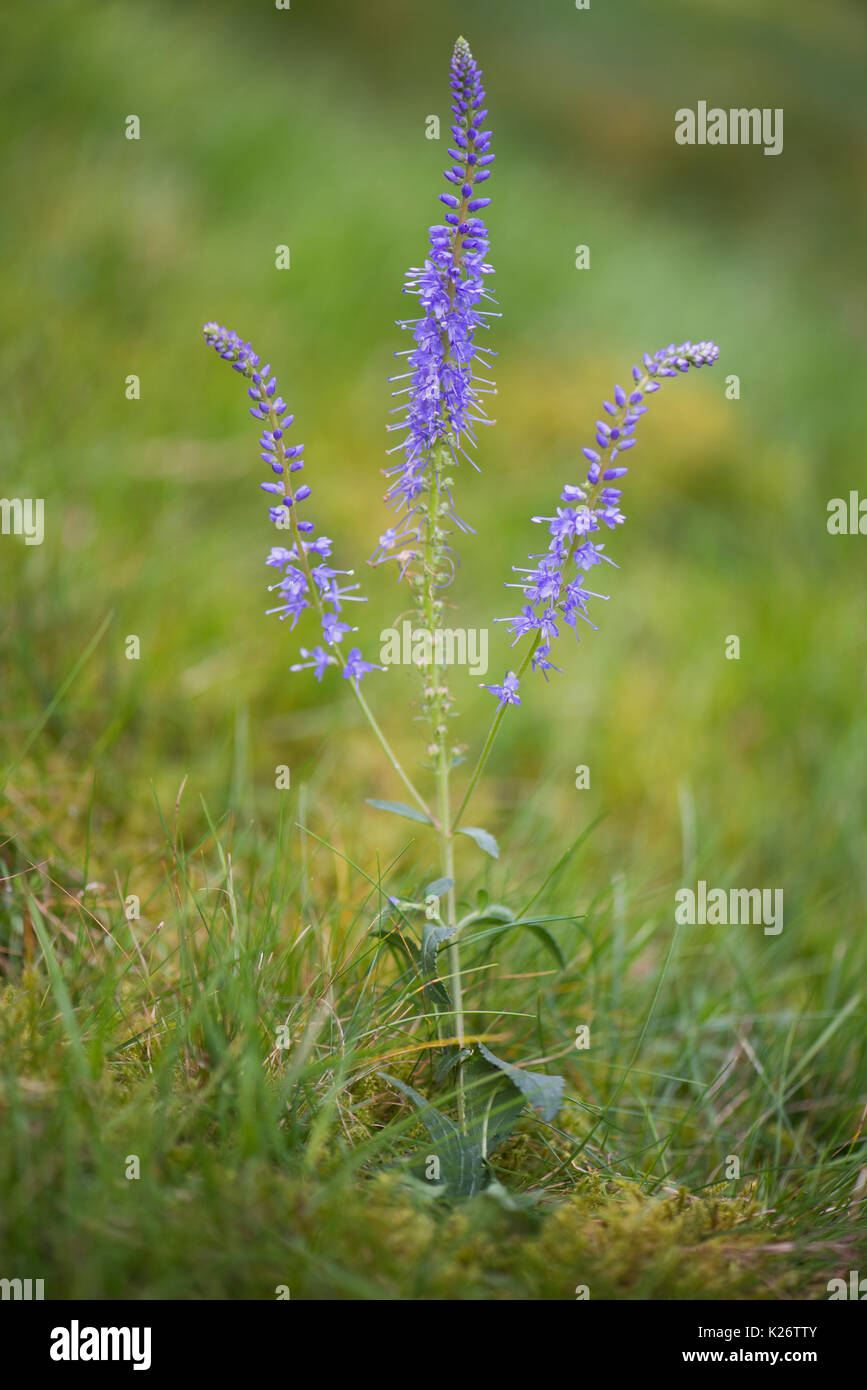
point(531, 924)
point(439, 887)
point(483, 838)
point(400, 808)
point(432, 938)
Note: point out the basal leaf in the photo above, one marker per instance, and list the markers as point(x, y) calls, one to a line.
point(461, 1166)
point(496, 1093)
point(493, 1104)
point(448, 1061)
point(544, 1093)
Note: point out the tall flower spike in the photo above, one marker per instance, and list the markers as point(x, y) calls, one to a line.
point(554, 587)
point(305, 579)
point(444, 392)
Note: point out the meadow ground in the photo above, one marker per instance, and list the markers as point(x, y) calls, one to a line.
point(154, 1039)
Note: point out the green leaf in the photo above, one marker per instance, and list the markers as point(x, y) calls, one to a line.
point(449, 1060)
point(432, 938)
point(496, 1094)
point(533, 925)
point(400, 808)
point(493, 1104)
point(483, 838)
point(461, 1166)
point(543, 935)
point(544, 1093)
point(439, 887)
point(392, 929)
point(435, 992)
point(496, 912)
point(397, 942)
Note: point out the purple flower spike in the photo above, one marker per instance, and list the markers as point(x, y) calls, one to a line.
point(300, 583)
point(443, 405)
point(554, 587)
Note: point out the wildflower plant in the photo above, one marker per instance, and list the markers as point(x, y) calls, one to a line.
point(441, 398)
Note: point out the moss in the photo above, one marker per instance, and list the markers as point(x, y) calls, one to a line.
point(630, 1245)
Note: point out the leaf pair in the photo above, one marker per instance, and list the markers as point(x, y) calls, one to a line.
point(483, 838)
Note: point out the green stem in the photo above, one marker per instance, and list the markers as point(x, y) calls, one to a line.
point(392, 758)
point(437, 703)
point(447, 861)
point(489, 741)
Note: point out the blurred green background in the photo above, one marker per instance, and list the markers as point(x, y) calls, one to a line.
point(307, 127)
point(261, 127)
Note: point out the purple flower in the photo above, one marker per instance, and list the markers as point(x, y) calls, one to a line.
point(444, 393)
point(306, 581)
point(318, 659)
point(334, 630)
point(554, 588)
point(507, 693)
point(541, 661)
point(356, 668)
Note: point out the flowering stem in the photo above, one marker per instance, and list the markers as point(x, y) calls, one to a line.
point(643, 383)
point(447, 859)
point(437, 700)
point(442, 411)
point(313, 589)
point(392, 758)
point(489, 741)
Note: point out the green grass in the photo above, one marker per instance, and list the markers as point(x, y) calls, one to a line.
point(263, 1165)
point(155, 1037)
